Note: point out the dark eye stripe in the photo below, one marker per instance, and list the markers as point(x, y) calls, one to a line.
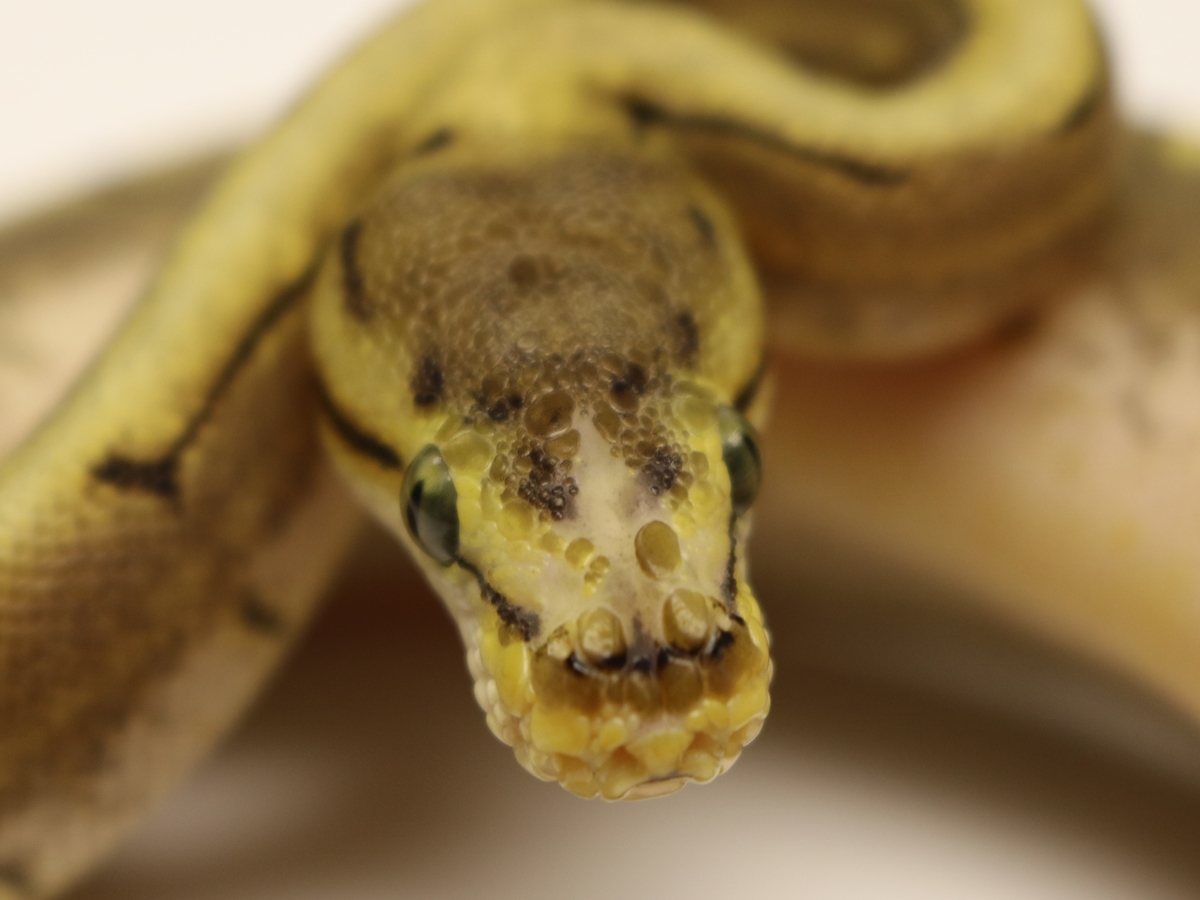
point(745, 397)
point(356, 438)
point(354, 292)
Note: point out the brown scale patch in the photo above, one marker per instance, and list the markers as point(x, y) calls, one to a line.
point(581, 277)
point(662, 467)
point(573, 273)
point(547, 483)
point(532, 409)
point(645, 442)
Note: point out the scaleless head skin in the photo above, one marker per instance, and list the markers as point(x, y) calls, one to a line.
point(532, 371)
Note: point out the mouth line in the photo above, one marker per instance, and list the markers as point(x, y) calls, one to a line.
point(729, 587)
point(526, 622)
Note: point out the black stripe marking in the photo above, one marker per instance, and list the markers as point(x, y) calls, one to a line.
point(527, 623)
point(729, 587)
point(428, 382)
point(160, 476)
point(441, 138)
point(645, 114)
point(745, 397)
point(258, 616)
point(356, 438)
point(155, 477)
point(1087, 107)
point(354, 292)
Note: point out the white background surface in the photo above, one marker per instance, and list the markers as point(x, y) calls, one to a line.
point(90, 89)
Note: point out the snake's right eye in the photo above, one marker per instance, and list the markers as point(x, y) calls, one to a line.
point(739, 446)
point(431, 505)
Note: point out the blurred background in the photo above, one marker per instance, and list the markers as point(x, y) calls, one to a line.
point(367, 771)
point(92, 90)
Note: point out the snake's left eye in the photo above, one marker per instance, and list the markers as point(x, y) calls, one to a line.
point(739, 446)
point(431, 505)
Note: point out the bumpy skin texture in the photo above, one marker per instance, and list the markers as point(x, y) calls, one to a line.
point(149, 530)
point(564, 331)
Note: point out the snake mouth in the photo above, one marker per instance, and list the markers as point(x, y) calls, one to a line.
point(640, 729)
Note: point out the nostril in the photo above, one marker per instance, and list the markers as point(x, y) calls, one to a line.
point(657, 548)
point(687, 620)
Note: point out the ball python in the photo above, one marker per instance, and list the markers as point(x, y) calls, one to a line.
point(504, 269)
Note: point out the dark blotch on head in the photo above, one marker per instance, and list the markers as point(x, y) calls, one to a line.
point(628, 386)
point(428, 382)
point(547, 486)
point(662, 469)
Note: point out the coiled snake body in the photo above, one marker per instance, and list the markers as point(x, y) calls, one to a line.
point(503, 267)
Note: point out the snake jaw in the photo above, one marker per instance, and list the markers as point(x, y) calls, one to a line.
point(629, 738)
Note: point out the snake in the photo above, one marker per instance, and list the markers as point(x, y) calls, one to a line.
point(509, 278)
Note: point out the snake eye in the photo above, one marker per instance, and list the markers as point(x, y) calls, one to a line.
point(431, 505)
point(739, 447)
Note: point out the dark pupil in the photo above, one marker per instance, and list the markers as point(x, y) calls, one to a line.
point(431, 510)
point(412, 511)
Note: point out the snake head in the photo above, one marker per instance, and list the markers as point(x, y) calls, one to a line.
point(533, 389)
point(593, 560)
